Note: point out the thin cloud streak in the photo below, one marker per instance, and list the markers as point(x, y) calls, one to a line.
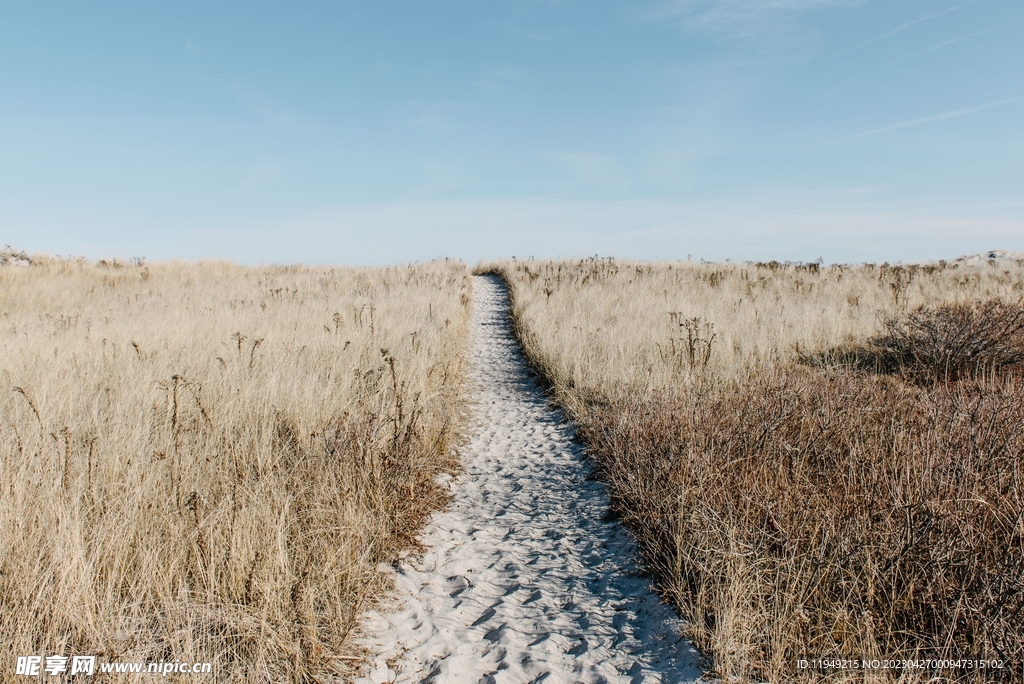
point(270, 111)
point(935, 117)
point(720, 12)
point(775, 26)
point(933, 48)
point(901, 28)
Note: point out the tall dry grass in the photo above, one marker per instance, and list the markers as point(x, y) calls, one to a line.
point(608, 325)
point(206, 462)
point(818, 462)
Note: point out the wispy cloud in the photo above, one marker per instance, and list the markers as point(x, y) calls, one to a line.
point(191, 48)
point(774, 30)
point(440, 178)
point(901, 28)
point(935, 117)
point(718, 12)
point(743, 16)
point(543, 33)
point(593, 170)
point(269, 110)
point(531, 21)
point(756, 42)
point(499, 80)
point(262, 174)
point(933, 48)
point(775, 225)
point(434, 117)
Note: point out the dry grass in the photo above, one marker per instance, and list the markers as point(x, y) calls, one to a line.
point(206, 462)
point(609, 325)
point(792, 500)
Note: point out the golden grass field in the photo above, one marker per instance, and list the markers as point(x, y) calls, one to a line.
point(818, 462)
point(206, 462)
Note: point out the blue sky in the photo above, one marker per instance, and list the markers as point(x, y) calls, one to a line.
point(382, 132)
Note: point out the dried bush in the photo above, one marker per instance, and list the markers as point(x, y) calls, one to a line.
point(949, 342)
point(806, 515)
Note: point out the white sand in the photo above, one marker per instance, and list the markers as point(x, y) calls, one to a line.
point(9, 257)
point(1001, 257)
point(523, 580)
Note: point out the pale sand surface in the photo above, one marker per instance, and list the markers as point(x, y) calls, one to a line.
point(1003, 257)
point(524, 578)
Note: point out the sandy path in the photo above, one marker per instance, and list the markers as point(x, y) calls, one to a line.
point(524, 580)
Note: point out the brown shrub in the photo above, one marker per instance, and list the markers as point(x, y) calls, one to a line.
point(804, 514)
point(953, 341)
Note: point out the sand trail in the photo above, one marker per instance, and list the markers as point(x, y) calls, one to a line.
point(524, 579)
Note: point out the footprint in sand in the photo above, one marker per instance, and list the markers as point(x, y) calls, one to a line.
point(524, 578)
